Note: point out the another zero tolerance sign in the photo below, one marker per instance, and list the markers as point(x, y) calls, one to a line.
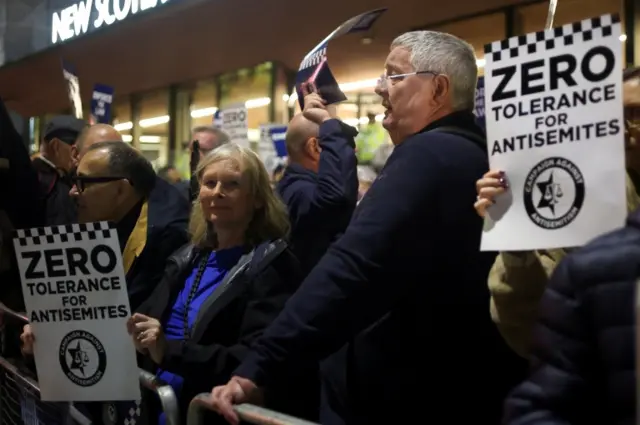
point(235, 124)
point(554, 117)
point(76, 298)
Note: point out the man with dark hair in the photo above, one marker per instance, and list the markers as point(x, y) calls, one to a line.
point(54, 166)
point(114, 182)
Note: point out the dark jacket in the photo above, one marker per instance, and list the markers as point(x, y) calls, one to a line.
point(320, 204)
point(166, 231)
point(406, 287)
point(583, 368)
point(249, 298)
point(54, 188)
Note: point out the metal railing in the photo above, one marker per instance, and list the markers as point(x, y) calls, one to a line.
point(247, 412)
point(18, 389)
point(165, 393)
point(20, 401)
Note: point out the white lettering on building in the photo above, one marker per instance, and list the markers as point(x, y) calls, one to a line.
point(75, 20)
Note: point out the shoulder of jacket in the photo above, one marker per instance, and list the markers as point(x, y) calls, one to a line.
point(183, 256)
point(613, 256)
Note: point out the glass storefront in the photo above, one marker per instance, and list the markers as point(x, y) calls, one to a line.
point(145, 119)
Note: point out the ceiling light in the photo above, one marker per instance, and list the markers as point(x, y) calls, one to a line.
point(196, 113)
point(143, 139)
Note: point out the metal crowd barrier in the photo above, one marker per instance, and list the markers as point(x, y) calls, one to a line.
point(20, 395)
point(20, 402)
point(165, 393)
point(247, 412)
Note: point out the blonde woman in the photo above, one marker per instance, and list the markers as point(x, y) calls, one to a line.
point(219, 292)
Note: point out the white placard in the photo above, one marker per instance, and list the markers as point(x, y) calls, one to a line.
point(555, 125)
point(235, 124)
point(73, 91)
point(76, 298)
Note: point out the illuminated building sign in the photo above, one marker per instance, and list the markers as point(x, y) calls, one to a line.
point(86, 15)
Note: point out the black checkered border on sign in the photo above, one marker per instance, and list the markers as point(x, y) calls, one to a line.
point(314, 59)
point(566, 35)
point(65, 233)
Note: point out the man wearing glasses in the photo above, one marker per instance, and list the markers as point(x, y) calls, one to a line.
point(400, 303)
point(114, 182)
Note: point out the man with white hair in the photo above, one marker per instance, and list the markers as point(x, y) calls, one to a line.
point(401, 298)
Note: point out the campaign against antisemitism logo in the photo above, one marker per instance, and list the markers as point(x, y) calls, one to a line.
point(82, 358)
point(554, 193)
point(76, 299)
point(554, 121)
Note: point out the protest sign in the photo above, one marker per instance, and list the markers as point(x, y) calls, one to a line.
point(76, 298)
point(101, 101)
point(314, 67)
point(554, 118)
point(478, 111)
point(271, 147)
point(73, 88)
point(235, 124)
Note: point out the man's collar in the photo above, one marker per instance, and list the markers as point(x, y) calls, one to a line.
point(49, 163)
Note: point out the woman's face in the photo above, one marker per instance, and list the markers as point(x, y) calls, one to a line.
point(225, 196)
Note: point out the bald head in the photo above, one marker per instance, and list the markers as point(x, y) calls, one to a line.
point(95, 134)
point(299, 131)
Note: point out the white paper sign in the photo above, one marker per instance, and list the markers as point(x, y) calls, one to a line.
point(76, 299)
point(235, 124)
point(73, 90)
point(555, 125)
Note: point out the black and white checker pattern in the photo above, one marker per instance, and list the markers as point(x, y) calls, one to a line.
point(133, 414)
point(314, 59)
point(65, 233)
point(566, 35)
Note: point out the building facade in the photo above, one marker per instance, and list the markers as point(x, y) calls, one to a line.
point(174, 62)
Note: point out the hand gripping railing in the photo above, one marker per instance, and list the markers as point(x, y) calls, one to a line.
point(247, 412)
point(165, 393)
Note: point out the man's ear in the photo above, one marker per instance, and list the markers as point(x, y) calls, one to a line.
point(74, 154)
point(54, 146)
point(441, 88)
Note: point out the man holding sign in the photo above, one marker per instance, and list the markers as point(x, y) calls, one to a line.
point(399, 302)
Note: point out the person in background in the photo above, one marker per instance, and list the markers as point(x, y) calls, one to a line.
point(319, 185)
point(235, 276)
point(92, 135)
point(518, 279)
point(366, 177)
point(583, 344)
point(277, 174)
point(208, 138)
point(371, 137)
point(400, 299)
point(54, 168)
point(170, 174)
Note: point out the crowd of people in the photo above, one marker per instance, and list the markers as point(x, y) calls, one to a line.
point(320, 301)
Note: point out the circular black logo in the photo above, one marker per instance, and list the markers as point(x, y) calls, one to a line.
point(82, 358)
point(554, 193)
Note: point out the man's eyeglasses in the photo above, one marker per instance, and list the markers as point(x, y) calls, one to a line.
point(81, 182)
point(383, 81)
